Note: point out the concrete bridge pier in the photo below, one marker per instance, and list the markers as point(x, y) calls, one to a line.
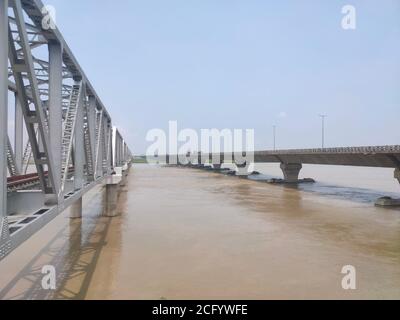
point(111, 199)
point(124, 175)
point(397, 174)
point(217, 167)
point(76, 209)
point(387, 201)
point(111, 195)
point(112, 186)
point(291, 172)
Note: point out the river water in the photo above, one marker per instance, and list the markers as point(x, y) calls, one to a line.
point(191, 234)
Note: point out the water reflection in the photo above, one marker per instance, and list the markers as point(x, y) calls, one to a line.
point(74, 252)
point(360, 195)
point(357, 228)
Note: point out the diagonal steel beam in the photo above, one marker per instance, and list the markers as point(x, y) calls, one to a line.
point(69, 134)
point(11, 163)
point(43, 160)
point(99, 132)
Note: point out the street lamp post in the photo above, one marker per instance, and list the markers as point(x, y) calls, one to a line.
point(274, 132)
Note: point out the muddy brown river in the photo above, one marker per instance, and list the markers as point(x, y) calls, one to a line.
point(190, 234)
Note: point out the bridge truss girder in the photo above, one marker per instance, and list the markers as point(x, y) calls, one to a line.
point(43, 88)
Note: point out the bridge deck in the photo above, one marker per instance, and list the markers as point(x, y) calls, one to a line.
point(385, 157)
point(379, 156)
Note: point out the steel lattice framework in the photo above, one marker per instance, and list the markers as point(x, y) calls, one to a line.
point(70, 143)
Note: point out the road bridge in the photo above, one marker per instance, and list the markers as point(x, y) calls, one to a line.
point(65, 142)
point(292, 161)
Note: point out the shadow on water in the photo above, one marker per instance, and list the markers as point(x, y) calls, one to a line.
point(359, 195)
point(74, 253)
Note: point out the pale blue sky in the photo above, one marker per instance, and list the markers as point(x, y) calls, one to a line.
point(242, 64)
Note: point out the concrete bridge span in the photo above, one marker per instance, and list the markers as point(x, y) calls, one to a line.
point(383, 156)
point(291, 161)
point(374, 156)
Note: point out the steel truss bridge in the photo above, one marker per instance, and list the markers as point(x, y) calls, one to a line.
point(64, 139)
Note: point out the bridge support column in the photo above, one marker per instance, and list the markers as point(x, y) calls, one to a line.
point(111, 194)
point(291, 172)
point(111, 199)
point(124, 174)
point(76, 209)
point(387, 201)
point(217, 167)
point(397, 174)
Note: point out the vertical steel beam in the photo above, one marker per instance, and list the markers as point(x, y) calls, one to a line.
point(121, 146)
point(123, 151)
point(120, 150)
point(110, 156)
point(114, 147)
point(97, 144)
point(117, 150)
point(108, 148)
point(19, 134)
point(105, 146)
point(99, 151)
point(79, 154)
point(3, 105)
point(55, 107)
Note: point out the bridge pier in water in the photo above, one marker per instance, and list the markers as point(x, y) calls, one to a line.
point(112, 189)
point(76, 209)
point(291, 172)
point(397, 174)
point(217, 167)
point(387, 201)
point(111, 199)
